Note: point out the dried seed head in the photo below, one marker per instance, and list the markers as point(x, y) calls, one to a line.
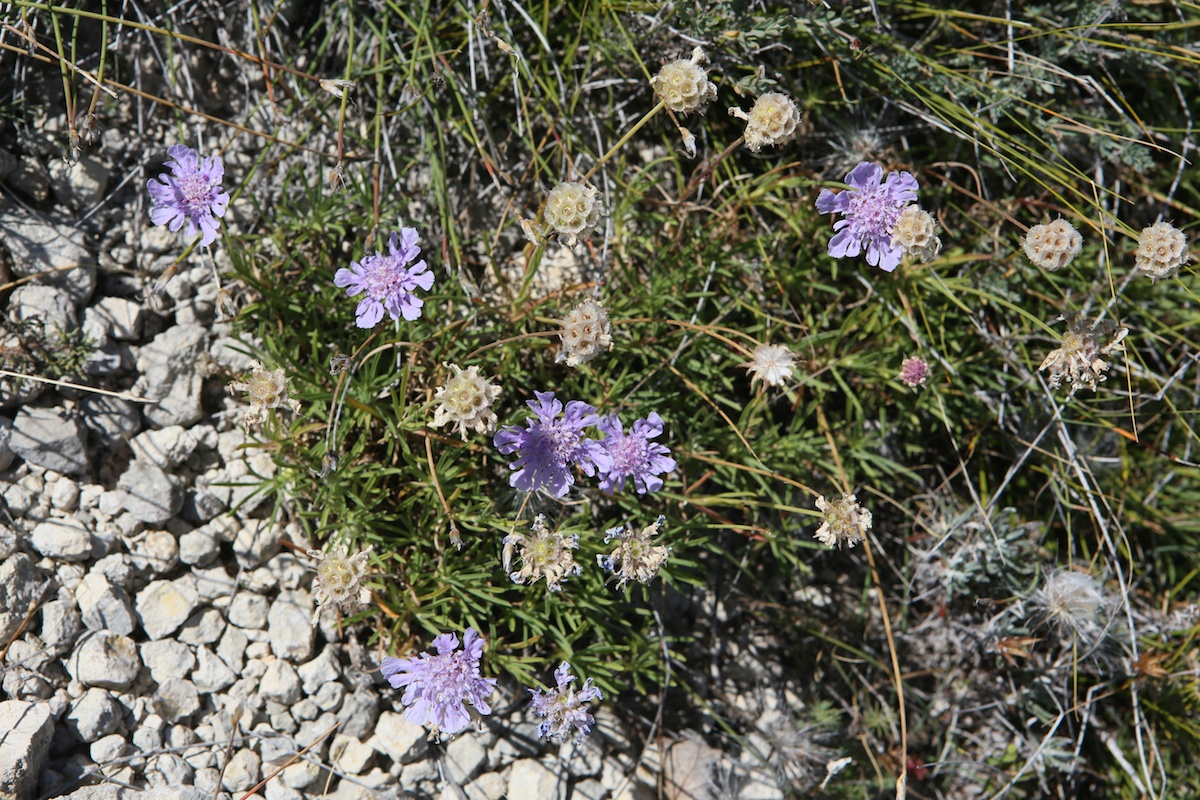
point(466, 401)
point(1162, 250)
point(572, 208)
point(683, 85)
point(771, 363)
point(635, 557)
point(267, 389)
point(339, 580)
point(586, 333)
point(1052, 245)
point(843, 523)
point(544, 554)
point(772, 121)
point(914, 231)
point(1074, 604)
point(1080, 359)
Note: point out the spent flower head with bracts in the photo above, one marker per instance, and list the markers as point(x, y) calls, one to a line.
point(843, 523)
point(633, 455)
point(870, 207)
point(551, 444)
point(544, 554)
point(436, 687)
point(683, 85)
point(773, 120)
point(636, 558)
point(1073, 604)
point(190, 197)
point(1052, 245)
point(388, 280)
point(564, 709)
point(914, 371)
point(1080, 358)
point(339, 580)
point(770, 363)
point(1162, 250)
point(466, 401)
point(915, 232)
point(586, 332)
point(572, 207)
point(267, 389)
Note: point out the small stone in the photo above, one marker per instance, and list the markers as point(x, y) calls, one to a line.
point(203, 627)
point(401, 740)
point(116, 569)
point(165, 605)
point(211, 673)
point(65, 539)
point(176, 700)
point(105, 659)
point(167, 659)
point(108, 749)
point(248, 610)
point(329, 697)
point(302, 774)
point(25, 733)
point(590, 789)
point(169, 770)
point(359, 714)
point(157, 552)
point(104, 606)
point(214, 583)
point(289, 626)
point(350, 755)
point(93, 715)
point(165, 448)
point(50, 439)
point(232, 648)
point(198, 548)
point(280, 683)
point(242, 772)
point(465, 758)
point(321, 670)
point(151, 495)
point(110, 419)
point(80, 184)
point(492, 786)
point(305, 710)
point(257, 541)
point(65, 496)
point(169, 374)
point(123, 316)
point(56, 253)
point(19, 589)
point(61, 624)
point(278, 790)
point(531, 778)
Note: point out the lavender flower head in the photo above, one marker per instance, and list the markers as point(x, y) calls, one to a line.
point(633, 455)
point(190, 197)
point(870, 208)
point(436, 686)
point(563, 707)
point(388, 280)
point(549, 445)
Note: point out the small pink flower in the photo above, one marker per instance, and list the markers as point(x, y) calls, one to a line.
point(914, 371)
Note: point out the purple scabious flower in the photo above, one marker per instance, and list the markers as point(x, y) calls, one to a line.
point(388, 280)
point(549, 445)
point(190, 197)
point(871, 209)
point(633, 455)
point(436, 686)
point(563, 707)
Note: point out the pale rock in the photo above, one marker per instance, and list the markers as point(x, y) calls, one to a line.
point(93, 715)
point(687, 769)
point(400, 740)
point(157, 552)
point(104, 606)
point(465, 758)
point(116, 569)
point(65, 539)
point(232, 648)
point(211, 673)
point(590, 789)
point(25, 733)
point(213, 583)
point(176, 699)
point(278, 790)
point(207, 780)
point(243, 771)
point(351, 756)
point(104, 659)
point(165, 448)
point(198, 548)
point(280, 683)
point(203, 627)
point(50, 306)
point(321, 670)
point(531, 778)
point(289, 626)
point(61, 624)
point(65, 496)
point(170, 374)
point(488, 786)
point(359, 714)
point(329, 696)
point(148, 735)
point(51, 439)
point(305, 710)
point(257, 541)
point(7, 456)
point(80, 184)
point(108, 749)
point(18, 499)
point(110, 419)
point(165, 605)
point(302, 775)
point(246, 473)
point(150, 495)
point(19, 589)
point(169, 770)
point(167, 659)
point(124, 317)
point(248, 610)
point(419, 775)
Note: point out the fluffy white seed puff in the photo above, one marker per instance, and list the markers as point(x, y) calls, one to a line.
point(1162, 250)
point(772, 120)
point(772, 364)
point(1074, 604)
point(915, 232)
point(586, 333)
point(572, 207)
point(1052, 245)
point(466, 401)
point(683, 85)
